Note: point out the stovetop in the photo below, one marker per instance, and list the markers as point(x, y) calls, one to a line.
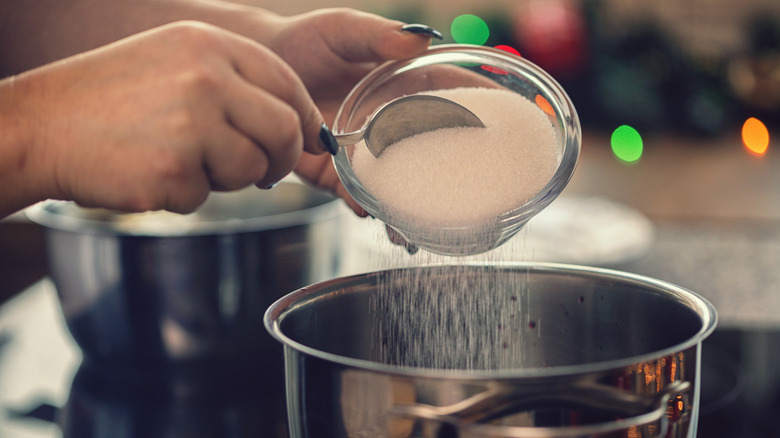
point(46, 391)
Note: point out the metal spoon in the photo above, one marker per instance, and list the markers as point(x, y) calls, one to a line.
point(408, 116)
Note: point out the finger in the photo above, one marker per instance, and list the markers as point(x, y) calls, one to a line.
point(320, 171)
point(364, 37)
point(234, 161)
point(342, 193)
point(170, 181)
point(186, 199)
point(397, 239)
point(267, 71)
point(274, 127)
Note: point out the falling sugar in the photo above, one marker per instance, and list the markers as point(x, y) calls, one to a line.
point(458, 319)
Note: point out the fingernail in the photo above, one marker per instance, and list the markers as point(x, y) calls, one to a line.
point(271, 186)
point(328, 141)
point(421, 29)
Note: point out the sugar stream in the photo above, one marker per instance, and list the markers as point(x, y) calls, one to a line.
point(467, 319)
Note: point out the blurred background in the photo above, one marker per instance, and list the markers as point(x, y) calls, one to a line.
point(679, 177)
point(679, 100)
point(696, 67)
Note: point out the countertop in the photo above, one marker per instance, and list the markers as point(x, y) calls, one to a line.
point(703, 214)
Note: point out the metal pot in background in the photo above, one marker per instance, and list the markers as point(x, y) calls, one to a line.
point(492, 351)
point(169, 294)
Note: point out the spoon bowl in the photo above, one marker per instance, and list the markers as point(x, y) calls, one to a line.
point(408, 116)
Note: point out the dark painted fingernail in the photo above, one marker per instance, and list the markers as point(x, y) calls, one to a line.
point(328, 141)
point(421, 29)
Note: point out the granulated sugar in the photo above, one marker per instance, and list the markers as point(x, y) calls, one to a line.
point(465, 176)
point(460, 319)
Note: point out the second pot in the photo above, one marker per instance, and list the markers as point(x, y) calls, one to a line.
point(167, 294)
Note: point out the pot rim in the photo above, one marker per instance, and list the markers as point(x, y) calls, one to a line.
point(51, 214)
point(706, 311)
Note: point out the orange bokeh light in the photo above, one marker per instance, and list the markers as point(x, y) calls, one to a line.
point(755, 136)
point(544, 104)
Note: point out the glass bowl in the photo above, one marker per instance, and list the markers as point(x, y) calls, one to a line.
point(453, 66)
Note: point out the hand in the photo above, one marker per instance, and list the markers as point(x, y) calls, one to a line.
point(158, 120)
point(397, 239)
point(331, 50)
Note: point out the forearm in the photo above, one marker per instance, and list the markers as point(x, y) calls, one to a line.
point(36, 32)
point(22, 180)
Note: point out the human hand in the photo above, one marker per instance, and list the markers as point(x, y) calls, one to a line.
point(157, 120)
point(397, 239)
point(331, 50)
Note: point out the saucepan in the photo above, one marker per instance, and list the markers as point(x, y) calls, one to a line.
point(160, 292)
point(492, 350)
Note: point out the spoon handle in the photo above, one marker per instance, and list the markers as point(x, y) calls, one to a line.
point(350, 138)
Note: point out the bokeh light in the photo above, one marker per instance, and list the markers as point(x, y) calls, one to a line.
point(755, 136)
point(505, 48)
point(494, 69)
point(544, 104)
point(469, 29)
point(509, 49)
point(627, 144)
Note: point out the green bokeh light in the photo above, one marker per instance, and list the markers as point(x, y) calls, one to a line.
point(627, 144)
point(469, 29)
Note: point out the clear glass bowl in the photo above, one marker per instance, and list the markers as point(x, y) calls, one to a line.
point(453, 66)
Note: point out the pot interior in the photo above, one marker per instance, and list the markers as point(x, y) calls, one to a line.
point(491, 318)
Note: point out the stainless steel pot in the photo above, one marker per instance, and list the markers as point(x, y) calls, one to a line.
point(160, 292)
point(515, 350)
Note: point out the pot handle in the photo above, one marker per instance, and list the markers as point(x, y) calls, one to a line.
point(503, 400)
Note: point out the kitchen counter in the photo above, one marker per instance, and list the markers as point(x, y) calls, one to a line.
point(679, 179)
point(716, 211)
point(702, 214)
point(38, 360)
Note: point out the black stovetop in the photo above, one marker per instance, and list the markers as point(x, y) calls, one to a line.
point(46, 391)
